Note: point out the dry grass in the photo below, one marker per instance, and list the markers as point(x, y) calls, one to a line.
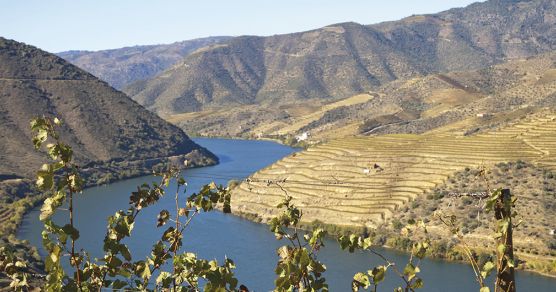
point(174, 119)
point(443, 100)
point(339, 132)
point(306, 119)
point(371, 182)
point(330, 182)
point(299, 110)
point(531, 185)
point(447, 102)
point(548, 77)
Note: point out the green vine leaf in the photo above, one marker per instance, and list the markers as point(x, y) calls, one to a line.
point(378, 274)
point(163, 218)
point(51, 204)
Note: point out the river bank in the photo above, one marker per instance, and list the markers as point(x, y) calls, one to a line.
point(286, 140)
point(440, 249)
point(14, 209)
point(252, 246)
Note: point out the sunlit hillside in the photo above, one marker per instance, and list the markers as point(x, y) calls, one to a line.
point(368, 181)
point(436, 102)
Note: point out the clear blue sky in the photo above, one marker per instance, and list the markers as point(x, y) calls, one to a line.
point(59, 25)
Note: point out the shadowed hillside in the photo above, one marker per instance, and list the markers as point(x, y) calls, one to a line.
point(105, 128)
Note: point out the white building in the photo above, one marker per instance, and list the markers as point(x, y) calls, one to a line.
point(302, 137)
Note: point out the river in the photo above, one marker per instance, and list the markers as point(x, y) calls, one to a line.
point(252, 247)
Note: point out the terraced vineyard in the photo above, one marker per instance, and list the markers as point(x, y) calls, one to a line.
point(362, 181)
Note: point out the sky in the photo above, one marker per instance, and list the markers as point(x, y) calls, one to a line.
point(61, 25)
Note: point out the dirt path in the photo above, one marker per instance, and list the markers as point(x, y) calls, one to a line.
point(456, 84)
point(40, 79)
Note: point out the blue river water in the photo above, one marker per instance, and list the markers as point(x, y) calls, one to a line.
point(252, 247)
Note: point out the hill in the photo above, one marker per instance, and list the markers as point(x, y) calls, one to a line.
point(120, 67)
point(346, 59)
point(372, 182)
point(459, 101)
point(107, 130)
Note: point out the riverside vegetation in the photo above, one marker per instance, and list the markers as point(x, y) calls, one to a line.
point(168, 268)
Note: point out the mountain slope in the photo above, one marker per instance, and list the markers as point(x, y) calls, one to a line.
point(441, 102)
point(120, 67)
point(332, 62)
point(111, 135)
point(345, 59)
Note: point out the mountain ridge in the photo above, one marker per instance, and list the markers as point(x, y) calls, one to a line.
point(122, 66)
point(102, 125)
point(432, 102)
point(345, 59)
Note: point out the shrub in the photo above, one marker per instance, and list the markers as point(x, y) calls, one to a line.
point(396, 224)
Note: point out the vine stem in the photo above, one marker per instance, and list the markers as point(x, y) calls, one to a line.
point(467, 251)
point(179, 234)
point(73, 241)
point(145, 282)
point(135, 213)
point(394, 267)
point(474, 264)
point(67, 168)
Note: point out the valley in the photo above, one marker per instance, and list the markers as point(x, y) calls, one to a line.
point(381, 125)
point(345, 59)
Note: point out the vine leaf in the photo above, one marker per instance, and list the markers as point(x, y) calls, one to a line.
point(163, 218)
